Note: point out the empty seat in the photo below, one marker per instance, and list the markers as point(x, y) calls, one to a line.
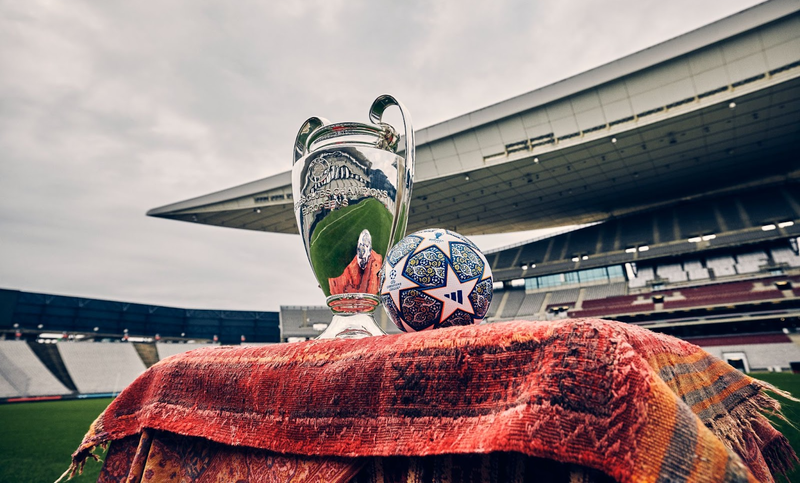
point(786, 255)
point(719, 262)
point(23, 374)
point(167, 350)
point(101, 367)
point(691, 265)
point(722, 266)
point(672, 272)
point(532, 304)
point(724, 271)
point(513, 303)
point(698, 274)
point(564, 296)
point(644, 275)
point(596, 292)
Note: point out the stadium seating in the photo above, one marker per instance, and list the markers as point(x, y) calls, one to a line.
point(6, 389)
point(563, 297)
point(607, 290)
point(627, 304)
point(513, 303)
point(759, 356)
point(532, 304)
point(723, 294)
point(666, 232)
point(167, 350)
point(644, 275)
point(722, 266)
point(697, 274)
point(785, 256)
point(22, 374)
point(751, 262)
point(672, 272)
point(101, 367)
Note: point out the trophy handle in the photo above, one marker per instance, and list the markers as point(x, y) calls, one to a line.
point(404, 188)
point(311, 125)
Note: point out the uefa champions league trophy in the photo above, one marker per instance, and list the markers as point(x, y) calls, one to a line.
point(351, 197)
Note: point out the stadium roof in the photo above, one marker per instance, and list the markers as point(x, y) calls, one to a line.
point(687, 229)
point(714, 109)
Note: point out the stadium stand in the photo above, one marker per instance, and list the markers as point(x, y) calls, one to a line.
point(758, 352)
point(722, 294)
point(785, 255)
point(37, 312)
point(722, 266)
point(643, 276)
point(22, 374)
point(751, 262)
point(147, 353)
point(603, 291)
point(168, 350)
point(6, 389)
point(695, 270)
point(513, 302)
point(666, 231)
point(611, 306)
point(101, 367)
point(532, 304)
point(562, 297)
point(672, 272)
point(48, 354)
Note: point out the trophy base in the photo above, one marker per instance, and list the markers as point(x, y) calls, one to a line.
point(352, 317)
point(351, 326)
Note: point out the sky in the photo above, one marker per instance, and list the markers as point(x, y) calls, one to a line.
point(110, 108)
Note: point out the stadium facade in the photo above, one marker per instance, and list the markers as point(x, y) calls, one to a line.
point(57, 347)
point(674, 172)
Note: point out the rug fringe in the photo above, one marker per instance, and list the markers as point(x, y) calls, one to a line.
point(744, 420)
point(780, 456)
point(78, 462)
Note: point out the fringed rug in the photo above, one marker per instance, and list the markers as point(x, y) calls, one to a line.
point(608, 397)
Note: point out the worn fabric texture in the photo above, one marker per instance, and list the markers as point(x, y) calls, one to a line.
point(635, 405)
point(161, 457)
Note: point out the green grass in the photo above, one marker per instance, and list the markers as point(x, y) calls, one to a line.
point(37, 439)
point(788, 382)
point(334, 242)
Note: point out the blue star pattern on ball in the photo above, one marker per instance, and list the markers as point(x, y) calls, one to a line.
point(454, 295)
point(435, 278)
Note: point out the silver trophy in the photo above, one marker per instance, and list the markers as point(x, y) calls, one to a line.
point(351, 196)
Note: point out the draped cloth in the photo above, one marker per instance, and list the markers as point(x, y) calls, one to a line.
point(616, 400)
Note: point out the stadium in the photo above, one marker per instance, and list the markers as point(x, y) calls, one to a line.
point(675, 169)
point(674, 173)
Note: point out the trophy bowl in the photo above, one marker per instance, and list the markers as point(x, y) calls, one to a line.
point(351, 193)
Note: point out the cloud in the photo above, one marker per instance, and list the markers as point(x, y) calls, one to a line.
point(108, 109)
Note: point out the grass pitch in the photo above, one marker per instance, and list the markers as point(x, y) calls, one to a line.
point(791, 409)
point(37, 439)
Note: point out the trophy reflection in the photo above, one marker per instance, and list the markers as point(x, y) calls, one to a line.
point(351, 196)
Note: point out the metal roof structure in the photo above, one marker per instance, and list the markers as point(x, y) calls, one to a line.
point(713, 110)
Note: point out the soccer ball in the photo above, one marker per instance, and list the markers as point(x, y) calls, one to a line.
point(435, 278)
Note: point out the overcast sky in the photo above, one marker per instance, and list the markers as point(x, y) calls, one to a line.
point(108, 109)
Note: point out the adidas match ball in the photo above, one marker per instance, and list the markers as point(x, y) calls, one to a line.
point(435, 278)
